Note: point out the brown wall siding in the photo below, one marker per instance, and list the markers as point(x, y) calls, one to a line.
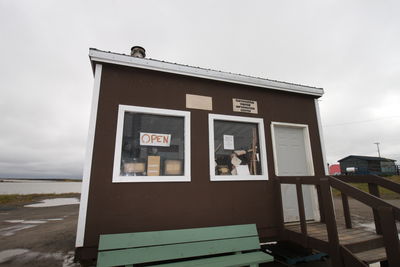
point(129, 207)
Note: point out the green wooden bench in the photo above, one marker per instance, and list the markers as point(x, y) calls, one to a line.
point(236, 245)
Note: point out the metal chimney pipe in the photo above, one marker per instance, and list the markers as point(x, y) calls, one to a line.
point(138, 51)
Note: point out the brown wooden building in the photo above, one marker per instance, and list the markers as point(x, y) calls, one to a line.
point(172, 146)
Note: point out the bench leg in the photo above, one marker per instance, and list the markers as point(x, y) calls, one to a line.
point(130, 265)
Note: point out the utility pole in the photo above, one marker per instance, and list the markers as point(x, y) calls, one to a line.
point(377, 145)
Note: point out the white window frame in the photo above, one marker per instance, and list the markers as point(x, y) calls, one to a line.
point(307, 144)
point(117, 178)
point(261, 142)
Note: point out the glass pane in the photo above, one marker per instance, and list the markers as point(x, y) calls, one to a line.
point(236, 148)
point(152, 145)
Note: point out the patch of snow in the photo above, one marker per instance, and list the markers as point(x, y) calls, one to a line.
point(69, 260)
point(9, 231)
point(54, 202)
point(7, 255)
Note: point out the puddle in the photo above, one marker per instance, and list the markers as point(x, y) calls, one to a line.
point(54, 202)
point(9, 231)
point(23, 224)
point(6, 255)
point(368, 226)
point(24, 256)
point(14, 221)
point(33, 222)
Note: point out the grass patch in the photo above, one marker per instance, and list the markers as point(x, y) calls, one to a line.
point(17, 199)
point(385, 193)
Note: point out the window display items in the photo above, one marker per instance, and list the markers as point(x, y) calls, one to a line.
point(134, 167)
point(152, 145)
point(173, 167)
point(153, 165)
point(230, 135)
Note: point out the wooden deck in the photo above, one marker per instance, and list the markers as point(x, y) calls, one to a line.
point(347, 246)
point(366, 245)
point(346, 236)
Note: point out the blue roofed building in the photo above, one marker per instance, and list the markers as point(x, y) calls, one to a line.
point(367, 165)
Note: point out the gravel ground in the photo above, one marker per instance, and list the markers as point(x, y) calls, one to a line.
point(45, 236)
point(38, 236)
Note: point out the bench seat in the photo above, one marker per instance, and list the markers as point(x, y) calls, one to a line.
point(251, 258)
point(185, 246)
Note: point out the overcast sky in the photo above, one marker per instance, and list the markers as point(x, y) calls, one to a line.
point(349, 48)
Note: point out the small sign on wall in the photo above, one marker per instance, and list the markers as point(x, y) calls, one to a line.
point(199, 102)
point(155, 139)
point(246, 106)
point(229, 143)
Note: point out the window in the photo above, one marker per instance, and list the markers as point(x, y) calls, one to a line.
point(152, 145)
point(237, 148)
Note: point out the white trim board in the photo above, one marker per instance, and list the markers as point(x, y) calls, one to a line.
point(263, 153)
point(307, 145)
point(321, 137)
point(144, 63)
point(80, 232)
point(117, 178)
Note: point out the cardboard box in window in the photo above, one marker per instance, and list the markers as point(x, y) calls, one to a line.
point(153, 165)
point(134, 167)
point(173, 167)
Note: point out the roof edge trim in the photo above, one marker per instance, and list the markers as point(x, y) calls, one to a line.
point(143, 63)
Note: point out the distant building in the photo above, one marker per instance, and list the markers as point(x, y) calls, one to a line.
point(334, 169)
point(367, 165)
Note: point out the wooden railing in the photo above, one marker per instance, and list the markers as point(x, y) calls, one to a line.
point(373, 182)
point(385, 219)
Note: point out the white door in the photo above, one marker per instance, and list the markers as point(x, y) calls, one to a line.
point(292, 156)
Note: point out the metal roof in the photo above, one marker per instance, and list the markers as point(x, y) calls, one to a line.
point(96, 55)
point(366, 158)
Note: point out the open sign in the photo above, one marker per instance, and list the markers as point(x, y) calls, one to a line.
point(155, 139)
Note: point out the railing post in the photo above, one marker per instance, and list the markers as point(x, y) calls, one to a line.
point(330, 220)
point(302, 212)
point(320, 204)
point(346, 210)
point(390, 235)
point(374, 190)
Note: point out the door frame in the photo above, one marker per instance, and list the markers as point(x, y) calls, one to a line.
point(307, 145)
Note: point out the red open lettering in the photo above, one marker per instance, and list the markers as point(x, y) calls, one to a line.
point(166, 139)
point(145, 138)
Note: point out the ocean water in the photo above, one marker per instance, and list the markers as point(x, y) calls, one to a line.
point(25, 187)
